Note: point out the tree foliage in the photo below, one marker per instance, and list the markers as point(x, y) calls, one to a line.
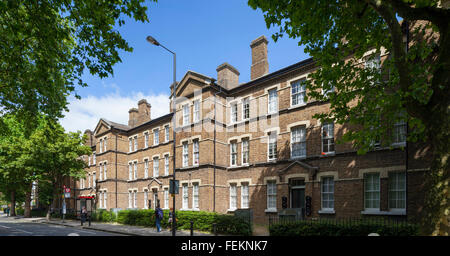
point(412, 86)
point(46, 156)
point(46, 46)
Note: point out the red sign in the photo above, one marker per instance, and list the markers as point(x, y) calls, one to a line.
point(67, 190)
point(86, 197)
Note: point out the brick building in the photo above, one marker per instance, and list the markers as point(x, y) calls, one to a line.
point(252, 145)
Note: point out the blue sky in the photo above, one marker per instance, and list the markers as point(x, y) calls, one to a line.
point(203, 33)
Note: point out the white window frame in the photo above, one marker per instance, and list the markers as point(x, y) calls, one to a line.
point(146, 166)
point(245, 150)
point(186, 114)
point(233, 153)
point(185, 198)
point(298, 139)
point(166, 133)
point(130, 144)
point(135, 170)
point(145, 198)
point(100, 171)
point(195, 152)
point(135, 199)
point(185, 154)
point(245, 195)
point(130, 199)
point(105, 198)
point(156, 137)
point(272, 139)
point(233, 196)
point(166, 165)
point(166, 198)
point(100, 147)
point(195, 195)
point(300, 94)
point(375, 191)
point(196, 111)
point(146, 139)
point(328, 137)
point(156, 166)
point(233, 112)
point(395, 189)
point(135, 138)
point(94, 158)
point(328, 187)
point(104, 144)
point(94, 179)
point(272, 101)
point(245, 102)
point(105, 164)
point(130, 171)
point(271, 195)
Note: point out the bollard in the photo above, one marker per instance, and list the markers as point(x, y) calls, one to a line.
point(214, 229)
point(192, 228)
point(89, 221)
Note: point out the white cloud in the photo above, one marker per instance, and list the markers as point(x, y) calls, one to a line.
point(85, 113)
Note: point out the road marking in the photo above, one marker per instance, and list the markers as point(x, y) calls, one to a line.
point(16, 229)
point(73, 234)
point(87, 232)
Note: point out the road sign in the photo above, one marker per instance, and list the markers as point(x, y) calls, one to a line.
point(174, 186)
point(67, 190)
point(67, 195)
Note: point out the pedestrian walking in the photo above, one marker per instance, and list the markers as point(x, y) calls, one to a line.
point(83, 214)
point(159, 214)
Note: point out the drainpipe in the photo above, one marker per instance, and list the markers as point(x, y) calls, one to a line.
point(407, 131)
point(116, 170)
point(215, 121)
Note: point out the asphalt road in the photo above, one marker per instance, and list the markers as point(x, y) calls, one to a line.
point(10, 226)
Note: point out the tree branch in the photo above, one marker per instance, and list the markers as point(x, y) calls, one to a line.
point(435, 15)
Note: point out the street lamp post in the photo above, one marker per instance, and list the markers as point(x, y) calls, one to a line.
point(152, 40)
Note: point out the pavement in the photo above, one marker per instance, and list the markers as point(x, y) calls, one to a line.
point(104, 227)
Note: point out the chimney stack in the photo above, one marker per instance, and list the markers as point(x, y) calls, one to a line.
point(260, 65)
point(144, 114)
point(227, 76)
point(133, 117)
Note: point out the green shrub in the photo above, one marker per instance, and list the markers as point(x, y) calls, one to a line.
point(332, 228)
point(203, 221)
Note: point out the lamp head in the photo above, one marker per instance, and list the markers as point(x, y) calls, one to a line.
point(152, 40)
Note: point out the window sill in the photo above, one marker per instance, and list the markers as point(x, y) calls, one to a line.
point(270, 211)
point(231, 210)
point(297, 106)
point(298, 157)
point(326, 212)
point(377, 212)
point(328, 154)
point(399, 144)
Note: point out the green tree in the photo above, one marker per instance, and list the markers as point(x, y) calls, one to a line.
point(45, 46)
point(48, 156)
point(338, 34)
point(57, 155)
point(16, 174)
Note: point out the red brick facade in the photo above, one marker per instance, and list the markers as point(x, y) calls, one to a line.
point(344, 166)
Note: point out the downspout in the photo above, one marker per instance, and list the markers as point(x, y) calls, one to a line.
point(116, 171)
point(215, 122)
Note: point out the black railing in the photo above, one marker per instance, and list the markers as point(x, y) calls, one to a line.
point(341, 222)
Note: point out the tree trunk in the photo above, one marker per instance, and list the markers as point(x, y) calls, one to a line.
point(13, 204)
point(27, 213)
point(54, 200)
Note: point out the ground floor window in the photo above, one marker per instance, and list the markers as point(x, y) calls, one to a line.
point(327, 193)
point(372, 191)
point(397, 190)
point(271, 195)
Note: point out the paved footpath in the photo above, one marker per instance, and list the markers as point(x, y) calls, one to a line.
point(98, 226)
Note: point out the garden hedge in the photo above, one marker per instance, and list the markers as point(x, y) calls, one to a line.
point(203, 221)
